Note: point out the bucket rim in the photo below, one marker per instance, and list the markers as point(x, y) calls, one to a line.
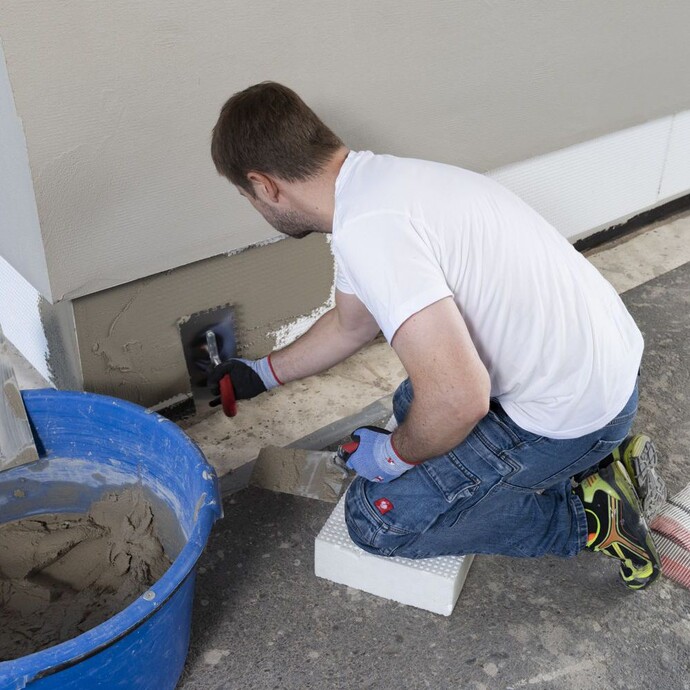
point(31, 667)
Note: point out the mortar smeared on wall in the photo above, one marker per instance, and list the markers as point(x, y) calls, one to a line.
point(129, 339)
point(288, 333)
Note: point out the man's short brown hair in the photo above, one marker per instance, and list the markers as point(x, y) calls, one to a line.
point(268, 128)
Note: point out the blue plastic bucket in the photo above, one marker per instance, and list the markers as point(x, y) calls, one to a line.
point(91, 444)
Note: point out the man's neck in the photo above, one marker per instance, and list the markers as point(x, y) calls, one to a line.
point(316, 196)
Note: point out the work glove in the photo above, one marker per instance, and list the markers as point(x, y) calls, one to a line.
point(249, 378)
point(374, 457)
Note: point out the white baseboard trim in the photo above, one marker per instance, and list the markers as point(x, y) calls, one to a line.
point(590, 186)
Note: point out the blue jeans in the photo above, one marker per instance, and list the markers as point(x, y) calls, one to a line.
point(503, 490)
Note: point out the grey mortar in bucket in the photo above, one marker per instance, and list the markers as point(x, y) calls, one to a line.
point(122, 463)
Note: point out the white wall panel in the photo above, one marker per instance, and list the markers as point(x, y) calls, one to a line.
point(676, 175)
point(592, 185)
point(20, 318)
point(21, 242)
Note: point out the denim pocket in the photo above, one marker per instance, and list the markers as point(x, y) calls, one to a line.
point(451, 476)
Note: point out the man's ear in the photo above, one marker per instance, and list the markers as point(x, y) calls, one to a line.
point(265, 186)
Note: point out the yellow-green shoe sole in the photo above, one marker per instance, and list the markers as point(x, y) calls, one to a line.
point(640, 459)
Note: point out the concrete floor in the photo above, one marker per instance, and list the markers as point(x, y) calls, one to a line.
point(262, 620)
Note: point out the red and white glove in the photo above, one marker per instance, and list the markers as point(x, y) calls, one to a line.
point(373, 456)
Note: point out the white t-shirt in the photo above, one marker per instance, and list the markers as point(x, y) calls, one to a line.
point(560, 347)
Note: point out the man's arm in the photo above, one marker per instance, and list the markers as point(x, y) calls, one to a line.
point(339, 333)
point(451, 384)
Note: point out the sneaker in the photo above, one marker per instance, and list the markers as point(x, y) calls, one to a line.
point(638, 455)
point(616, 525)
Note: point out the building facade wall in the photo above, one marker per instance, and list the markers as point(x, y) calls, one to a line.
point(117, 100)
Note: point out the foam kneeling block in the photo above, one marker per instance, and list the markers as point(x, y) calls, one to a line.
point(432, 584)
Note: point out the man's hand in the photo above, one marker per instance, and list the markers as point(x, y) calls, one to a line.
point(249, 378)
point(375, 458)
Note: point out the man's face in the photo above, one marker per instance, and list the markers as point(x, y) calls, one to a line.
point(288, 222)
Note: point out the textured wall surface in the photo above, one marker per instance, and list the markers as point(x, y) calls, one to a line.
point(128, 336)
point(118, 101)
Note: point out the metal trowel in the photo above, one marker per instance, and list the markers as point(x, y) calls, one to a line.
point(316, 474)
point(199, 349)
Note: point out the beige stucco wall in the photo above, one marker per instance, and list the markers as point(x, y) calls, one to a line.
point(117, 100)
point(128, 336)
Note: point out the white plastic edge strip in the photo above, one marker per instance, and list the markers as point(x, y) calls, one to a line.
point(21, 319)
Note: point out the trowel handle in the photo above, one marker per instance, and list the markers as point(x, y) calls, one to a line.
point(227, 392)
point(346, 450)
point(227, 396)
